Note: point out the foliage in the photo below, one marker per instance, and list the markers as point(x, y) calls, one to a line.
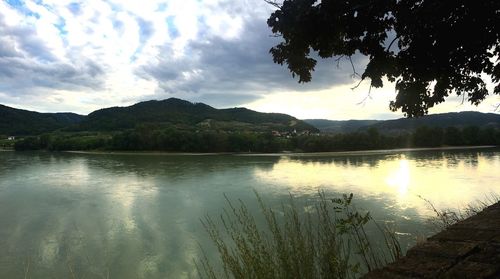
point(163, 114)
point(297, 244)
point(15, 122)
point(63, 142)
point(180, 113)
point(153, 138)
point(447, 217)
point(430, 49)
point(6, 144)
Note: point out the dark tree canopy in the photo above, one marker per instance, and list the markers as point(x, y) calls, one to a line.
point(429, 48)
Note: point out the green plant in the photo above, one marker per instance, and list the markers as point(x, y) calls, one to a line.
point(327, 240)
point(447, 217)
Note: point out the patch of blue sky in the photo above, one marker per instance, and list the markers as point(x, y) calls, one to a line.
point(74, 8)
point(202, 22)
point(162, 7)
point(118, 25)
point(61, 26)
point(21, 7)
point(146, 29)
point(15, 3)
point(173, 32)
point(137, 52)
point(114, 6)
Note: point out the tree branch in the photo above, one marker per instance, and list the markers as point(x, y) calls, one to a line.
point(337, 60)
point(393, 40)
point(353, 68)
point(357, 85)
point(273, 3)
point(368, 96)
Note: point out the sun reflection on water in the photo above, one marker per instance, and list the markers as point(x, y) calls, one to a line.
point(138, 217)
point(400, 178)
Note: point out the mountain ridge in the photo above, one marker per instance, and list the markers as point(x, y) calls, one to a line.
point(180, 112)
point(167, 112)
point(15, 121)
point(401, 125)
point(191, 115)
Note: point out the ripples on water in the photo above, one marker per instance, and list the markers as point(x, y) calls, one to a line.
point(137, 216)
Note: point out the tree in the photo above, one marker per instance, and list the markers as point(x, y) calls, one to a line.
point(428, 136)
point(430, 49)
point(453, 136)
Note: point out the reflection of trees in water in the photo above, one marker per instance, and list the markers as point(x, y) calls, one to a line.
point(452, 158)
point(140, 164)
point(110, 220)
point(181, 165)
point(344, 161)
point(178, 165)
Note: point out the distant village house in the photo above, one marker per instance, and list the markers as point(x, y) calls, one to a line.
point(11, 138)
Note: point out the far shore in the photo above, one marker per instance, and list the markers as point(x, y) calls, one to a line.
point(298, 154)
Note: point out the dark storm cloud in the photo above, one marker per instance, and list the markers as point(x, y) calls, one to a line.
point(19, 73)
point(27, 63)
point(242, 70)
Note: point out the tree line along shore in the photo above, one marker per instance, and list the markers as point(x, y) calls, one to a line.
point(147, 138)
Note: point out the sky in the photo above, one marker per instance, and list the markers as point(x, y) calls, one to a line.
point(79, 56)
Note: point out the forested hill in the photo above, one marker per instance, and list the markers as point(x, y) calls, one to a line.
point(23, 122)
point(340, 126)
point(182, 113)
point(173, 113)
point(443, 120)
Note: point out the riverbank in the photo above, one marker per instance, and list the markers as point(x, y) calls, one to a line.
point(468, 249)
point(371, 152)
point(294, 154)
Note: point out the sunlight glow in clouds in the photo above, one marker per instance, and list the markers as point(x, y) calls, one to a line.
point(84, 55)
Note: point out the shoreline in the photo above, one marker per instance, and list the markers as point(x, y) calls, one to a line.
point(291, 154)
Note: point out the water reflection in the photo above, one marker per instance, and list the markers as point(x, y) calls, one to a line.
point(400, 178)
point(137, 216)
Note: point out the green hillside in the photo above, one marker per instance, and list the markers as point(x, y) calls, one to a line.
point(340, 126)
point(182, 113)
point(23, 122)
point(442, 120)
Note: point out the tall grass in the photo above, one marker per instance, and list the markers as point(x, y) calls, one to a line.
point(329, 241)
point(447, 217)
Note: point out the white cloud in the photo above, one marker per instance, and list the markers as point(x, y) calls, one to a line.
point(85, 55)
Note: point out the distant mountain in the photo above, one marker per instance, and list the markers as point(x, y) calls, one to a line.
point(187, 115)
point(24, 122)
point(456, 119)
point(169, 112)
point(178, 112)
point(339, 126)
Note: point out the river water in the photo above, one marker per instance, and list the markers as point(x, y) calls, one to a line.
point(65, 215)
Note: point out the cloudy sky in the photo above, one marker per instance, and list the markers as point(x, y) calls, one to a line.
point(80, 56)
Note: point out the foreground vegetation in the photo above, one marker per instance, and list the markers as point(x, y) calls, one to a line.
point(172, 139)
point(327, 241)
point(446, 217)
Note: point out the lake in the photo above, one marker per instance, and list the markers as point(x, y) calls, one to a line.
point(138, 215)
